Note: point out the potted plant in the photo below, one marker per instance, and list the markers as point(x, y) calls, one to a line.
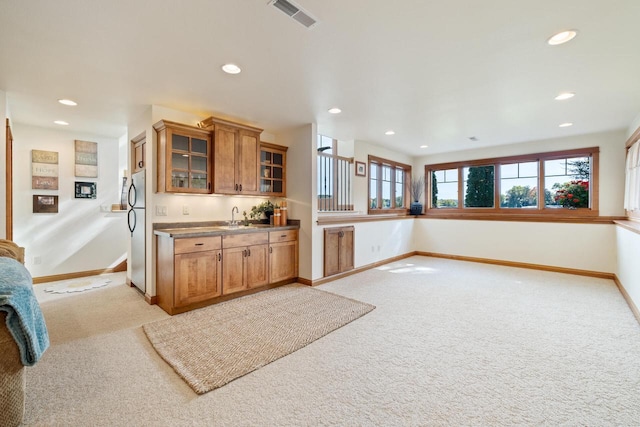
point(416, 188)
point(265, 208)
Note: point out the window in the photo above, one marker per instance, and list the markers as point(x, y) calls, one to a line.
point(509, 185)
point(334, 177)
point(388, 190)
point(632, 181)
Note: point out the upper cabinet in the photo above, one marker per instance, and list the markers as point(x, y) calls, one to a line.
point(273, 170)
point(184, 158)
point(236, 154)
point(138, 152)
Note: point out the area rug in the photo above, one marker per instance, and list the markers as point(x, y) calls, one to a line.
point(212, 346)
point(77, 285)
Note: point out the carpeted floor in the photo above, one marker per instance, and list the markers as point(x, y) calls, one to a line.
point(449, 343)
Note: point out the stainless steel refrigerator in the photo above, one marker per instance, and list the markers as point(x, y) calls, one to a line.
point(136, 222)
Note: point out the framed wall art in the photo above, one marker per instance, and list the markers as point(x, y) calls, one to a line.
point(86, 159)
point(45, 204)
point(361, 169)
point(44, 170)
point(85, 190)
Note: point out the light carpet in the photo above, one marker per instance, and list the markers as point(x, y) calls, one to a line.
point(212, 346)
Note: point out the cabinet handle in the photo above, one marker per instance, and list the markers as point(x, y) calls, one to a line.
point(248, 252)
point(283, 235)
point(244, 253)
point(219, 257)
point(236, 187)
point(270, 249)
point(240, 187)
point(199, 244)
point(140, 163)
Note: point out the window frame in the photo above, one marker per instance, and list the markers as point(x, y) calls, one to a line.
point(380, 162)
point(540, 211)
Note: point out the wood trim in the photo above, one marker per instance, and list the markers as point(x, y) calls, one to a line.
point(9, 181)
point(76, 275)
point(120, 267)
point(524, 218)
point(349, 219)
point(578, 272)
point(635, 136)
point(304, 281)
point(627, 298)
point(633, 226)
point(210, 122)
point(151, 300)
point(273, 146)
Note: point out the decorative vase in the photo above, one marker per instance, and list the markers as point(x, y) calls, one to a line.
point(415, 208)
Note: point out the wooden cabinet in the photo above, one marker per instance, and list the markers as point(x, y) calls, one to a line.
point(283, 255)
point(138, 152)
point(184, 158)
point(244, 261)
point(338, 250)
point(188, 271)
point(236, 154)
point(273, 170)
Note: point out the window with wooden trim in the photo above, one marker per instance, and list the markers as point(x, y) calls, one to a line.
point(388, 186)
point(510, 185)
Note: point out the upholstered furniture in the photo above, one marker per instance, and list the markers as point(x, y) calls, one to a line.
point(11, 250)
point(12, 379)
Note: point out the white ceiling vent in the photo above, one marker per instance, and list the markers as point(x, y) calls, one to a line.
point(294, 11)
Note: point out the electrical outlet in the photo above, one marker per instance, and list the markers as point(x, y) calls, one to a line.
point(105, 208)
point(161, 211)
point(37, 260)
point(185, 210)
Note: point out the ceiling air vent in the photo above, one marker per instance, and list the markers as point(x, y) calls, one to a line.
point(294, 11)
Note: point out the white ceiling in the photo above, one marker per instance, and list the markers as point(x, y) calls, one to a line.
point(437, 72)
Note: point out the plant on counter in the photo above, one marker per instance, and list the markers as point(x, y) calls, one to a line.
point(245, 221)
point(265, 208)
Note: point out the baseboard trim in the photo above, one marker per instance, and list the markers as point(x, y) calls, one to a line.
point(121, 267)
point(554, 269)
point(76, 275)
point(627, 298)
point(151, 300)
point(354, 271)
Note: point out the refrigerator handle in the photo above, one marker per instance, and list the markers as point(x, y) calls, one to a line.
point(132, 190)
point(132, 226)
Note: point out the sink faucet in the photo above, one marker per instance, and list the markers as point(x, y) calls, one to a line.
point(234, 209)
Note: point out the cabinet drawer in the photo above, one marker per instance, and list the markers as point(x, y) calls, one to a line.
point(283, 236)
point(235, 240)
point(196, 244)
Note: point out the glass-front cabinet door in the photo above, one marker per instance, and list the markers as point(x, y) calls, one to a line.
point(273, 169)
point(184, 158)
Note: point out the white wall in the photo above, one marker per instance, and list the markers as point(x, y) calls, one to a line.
point(3, 153)
point(612, 158)
point(635, 124)
point(79, 237)
point(302, 190)
point(589, 247)
point(628, 267)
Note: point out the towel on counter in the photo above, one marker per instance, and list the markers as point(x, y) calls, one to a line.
point(24, 317)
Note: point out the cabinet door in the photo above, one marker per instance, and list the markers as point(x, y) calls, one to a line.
point(346, 249)
point(139, 150)
point(225, 160)
point(197, 277)
point(233, 270)
point(248, 162)
point(283, 261)
point(331, 251)
point(256, 266)
point(272, 170)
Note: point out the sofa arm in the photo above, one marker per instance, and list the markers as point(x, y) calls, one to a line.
point(12, 378)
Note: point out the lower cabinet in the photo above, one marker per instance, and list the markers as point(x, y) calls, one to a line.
point(338, 250)
point(189, 271)
point(283, 255)
point(245, 261)
point(195, 271)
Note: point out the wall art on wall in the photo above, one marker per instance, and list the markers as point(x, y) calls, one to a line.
point(86, 159)
point(44, 170)
point(45, 204)
point(361, 169)
point(85, 190)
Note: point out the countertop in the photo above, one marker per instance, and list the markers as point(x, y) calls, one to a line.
point(181, 230)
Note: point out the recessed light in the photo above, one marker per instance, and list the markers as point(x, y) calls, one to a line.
point(564, 95)
point(68, 102)
point(61, 123)
point(231, 69)
point(565, 125)
point(335, 110)
point(424, 146)
point(389, 132)
point(562, 37)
